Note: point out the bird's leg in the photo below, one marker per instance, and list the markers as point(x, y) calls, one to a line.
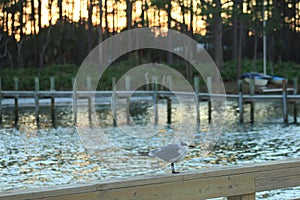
point(173, 169)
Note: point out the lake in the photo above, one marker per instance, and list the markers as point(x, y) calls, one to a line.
point(52, 152)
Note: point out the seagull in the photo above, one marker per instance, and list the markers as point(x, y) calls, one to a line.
point(171, 153)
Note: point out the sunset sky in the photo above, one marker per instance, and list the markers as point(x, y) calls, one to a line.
point(77, 9)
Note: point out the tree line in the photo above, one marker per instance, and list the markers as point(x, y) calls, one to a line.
point(37, 33)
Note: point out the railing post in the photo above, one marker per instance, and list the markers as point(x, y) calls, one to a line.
point(169, 110)
point(127, 82)
point(16, 82)
point(155, 99)
point(75, 109)
point(128, 88)
point(196, 86)
point(88, 83)
point(252, 91)
point(284, 101)
point(241, 110)
point(147, 81)
point(52, 89)
point(209, 86)
point(169, 82)
point(73, 81)
point(295, 83)
point(36, 99)
point(52, 83)
point(89, 98)
point(113, 102)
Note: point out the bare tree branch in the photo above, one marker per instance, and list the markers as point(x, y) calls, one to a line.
point(44, 47)
point(5, 47)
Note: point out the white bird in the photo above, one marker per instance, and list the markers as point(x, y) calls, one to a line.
point(171, 153)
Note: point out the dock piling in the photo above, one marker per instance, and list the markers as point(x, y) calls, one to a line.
point(295, 111)
point(284, 101)
point(73, 81)
point(90, 109)
point(89, 98)
point(128, 88)
point(196, 86)
point(209, 86)
point(155, 99)
point(113, 102)
point(127, 82)
point(36, 99)
point(52, 89)
point(16, 99)
point(295, 83)
point(169, 110)
point(52, 83)
point(252, 92)
point(74, 96)
point(240, 100)
point(169, 82)
point(88, 83)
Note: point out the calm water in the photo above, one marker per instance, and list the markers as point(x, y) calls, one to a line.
point(53, 154)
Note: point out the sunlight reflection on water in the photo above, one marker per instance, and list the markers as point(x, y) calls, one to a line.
point(32, 157)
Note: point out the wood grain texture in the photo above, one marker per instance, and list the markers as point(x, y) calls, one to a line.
point(235, 182)
point(243, 197)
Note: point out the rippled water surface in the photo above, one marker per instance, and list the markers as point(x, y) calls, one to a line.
point(51, 152)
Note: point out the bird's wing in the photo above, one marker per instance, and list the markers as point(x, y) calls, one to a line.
point(169, 153)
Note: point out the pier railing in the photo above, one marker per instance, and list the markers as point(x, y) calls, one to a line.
point(282, 94)
point(235, 182)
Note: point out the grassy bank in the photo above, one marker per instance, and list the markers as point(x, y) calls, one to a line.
point(63, 77)
point(65, 73)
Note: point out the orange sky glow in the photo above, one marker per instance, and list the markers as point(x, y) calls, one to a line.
point(77, 10)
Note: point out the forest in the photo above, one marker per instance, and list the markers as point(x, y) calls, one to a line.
point(40, 33)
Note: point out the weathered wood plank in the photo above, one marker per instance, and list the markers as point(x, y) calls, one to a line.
point(235, 182)
point(185, 189)
point(58, 192)
point(79, 196)
point(243, 197)
point(288, 176)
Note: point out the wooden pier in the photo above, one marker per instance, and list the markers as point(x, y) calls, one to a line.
point(288, 96)
point(234, 182)
point(269, 94)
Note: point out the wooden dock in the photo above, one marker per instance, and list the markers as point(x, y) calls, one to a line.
point(235, 182)
point(288, 96)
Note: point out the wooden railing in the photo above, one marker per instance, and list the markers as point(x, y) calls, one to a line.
point(241, 98)
point(236, 182)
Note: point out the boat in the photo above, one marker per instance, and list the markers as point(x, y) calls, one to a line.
point(278, 80)
point(259, 79)
point(262, 79)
